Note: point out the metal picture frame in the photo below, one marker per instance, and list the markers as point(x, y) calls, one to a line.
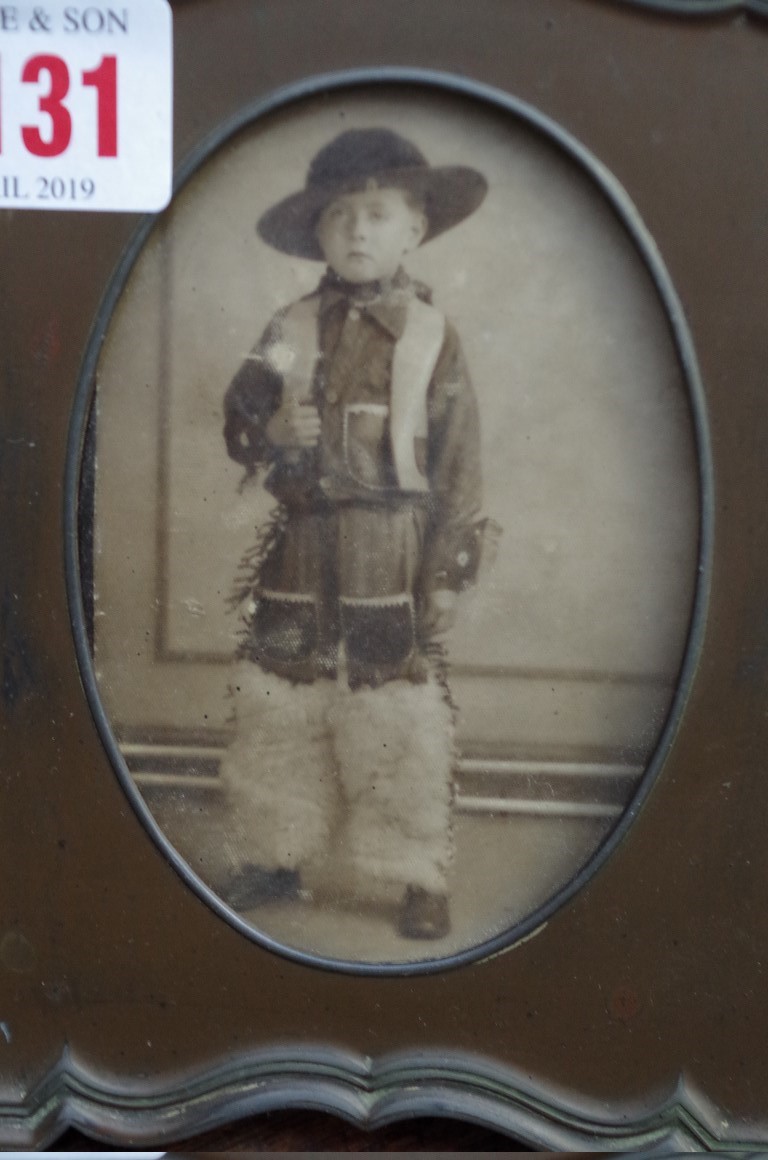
point(621, 1011)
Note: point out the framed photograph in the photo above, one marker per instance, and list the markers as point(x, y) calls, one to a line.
point(383, 588)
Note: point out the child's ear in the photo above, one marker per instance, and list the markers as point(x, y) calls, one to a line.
point(418, 229)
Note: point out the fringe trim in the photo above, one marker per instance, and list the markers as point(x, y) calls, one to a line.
point(248, 572)
point(268, 536)
point(287, 597)
point(399, 600)
point(437, 662)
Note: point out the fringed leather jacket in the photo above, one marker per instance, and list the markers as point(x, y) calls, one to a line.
point(399, 421)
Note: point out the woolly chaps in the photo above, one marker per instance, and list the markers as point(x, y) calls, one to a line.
point(394, 758)
point(316, 770)
point(278, 774)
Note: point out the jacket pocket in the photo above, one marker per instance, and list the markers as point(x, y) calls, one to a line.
point(367, 455)
point(283, 627)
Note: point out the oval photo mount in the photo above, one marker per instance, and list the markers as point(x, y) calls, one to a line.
point(357, 806)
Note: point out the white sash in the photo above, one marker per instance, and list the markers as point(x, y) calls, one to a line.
point(413, 364)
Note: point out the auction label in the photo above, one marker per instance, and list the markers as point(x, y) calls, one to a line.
point(86, 105)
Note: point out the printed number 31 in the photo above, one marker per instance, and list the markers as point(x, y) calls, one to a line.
point(103, 78)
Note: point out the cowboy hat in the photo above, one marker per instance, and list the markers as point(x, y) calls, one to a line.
point(356, 160)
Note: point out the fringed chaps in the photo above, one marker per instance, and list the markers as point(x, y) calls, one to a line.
point(278, 774)
point(394, 757)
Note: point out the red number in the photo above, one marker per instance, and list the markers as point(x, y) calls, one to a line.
point(104, 80)
point(51, 103)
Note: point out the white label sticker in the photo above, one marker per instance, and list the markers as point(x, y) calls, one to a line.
point(86, 105)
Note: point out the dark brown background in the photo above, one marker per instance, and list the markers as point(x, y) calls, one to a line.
point(657, 966)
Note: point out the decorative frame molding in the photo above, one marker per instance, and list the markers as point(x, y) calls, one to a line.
point(369, 1093)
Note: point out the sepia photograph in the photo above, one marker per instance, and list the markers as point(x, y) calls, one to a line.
point(392, 529)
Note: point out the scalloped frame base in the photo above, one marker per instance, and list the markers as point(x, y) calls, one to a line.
point(369, 1093)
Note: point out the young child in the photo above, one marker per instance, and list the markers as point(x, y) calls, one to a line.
point(357, 400)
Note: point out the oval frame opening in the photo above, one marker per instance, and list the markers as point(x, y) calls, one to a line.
point(78, 482)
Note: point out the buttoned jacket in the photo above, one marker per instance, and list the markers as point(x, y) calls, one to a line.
point(357, 334)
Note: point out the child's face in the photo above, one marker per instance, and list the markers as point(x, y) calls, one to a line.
point(364, 236)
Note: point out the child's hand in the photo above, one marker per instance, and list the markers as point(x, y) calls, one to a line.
point(440, 612)
point(294, 425)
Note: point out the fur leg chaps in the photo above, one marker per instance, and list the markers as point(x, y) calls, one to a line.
point(278, 774)
point(394, 755)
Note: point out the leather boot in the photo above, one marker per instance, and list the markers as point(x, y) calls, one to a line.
point(424, 914)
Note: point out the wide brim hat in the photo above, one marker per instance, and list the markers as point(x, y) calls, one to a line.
point(359, 159)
